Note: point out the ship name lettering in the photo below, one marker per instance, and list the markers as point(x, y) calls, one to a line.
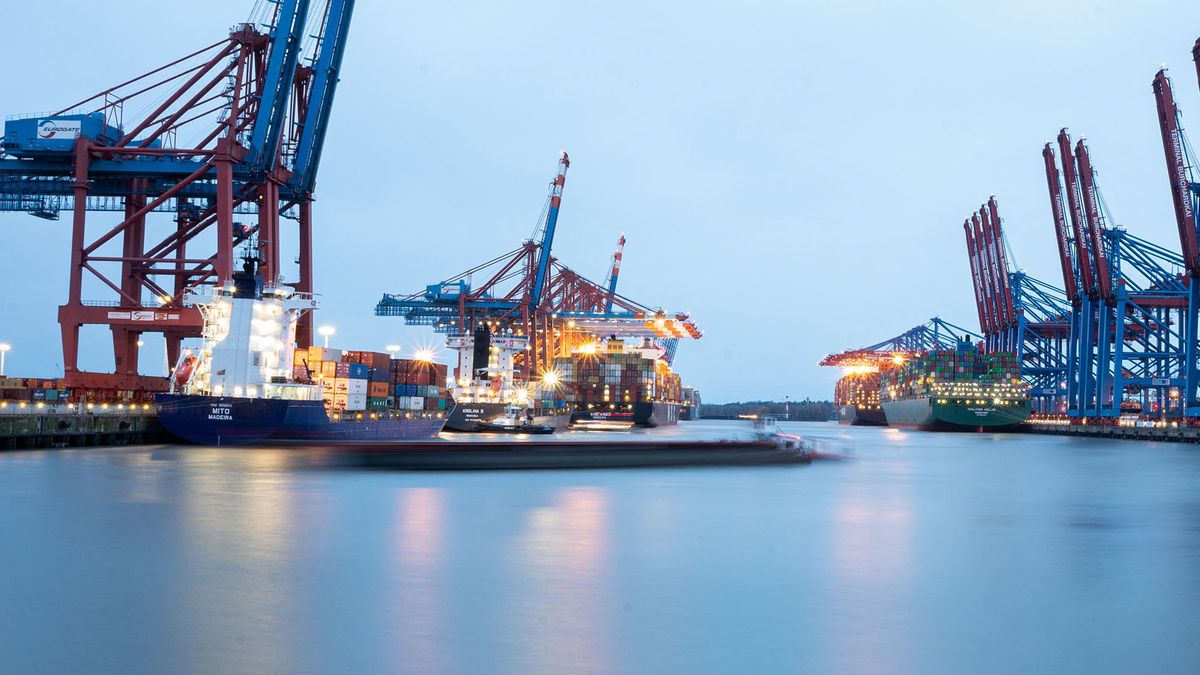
point(221, 412)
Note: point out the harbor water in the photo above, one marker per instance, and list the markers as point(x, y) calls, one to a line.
point(921, 553)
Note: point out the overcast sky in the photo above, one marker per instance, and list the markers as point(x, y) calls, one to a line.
point(793, 174)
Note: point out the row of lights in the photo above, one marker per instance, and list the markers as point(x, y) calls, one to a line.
point(90, 406)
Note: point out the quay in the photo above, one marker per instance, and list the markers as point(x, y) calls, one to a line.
point(1171, 432)
point(76, 425)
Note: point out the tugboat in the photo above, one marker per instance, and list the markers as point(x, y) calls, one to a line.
point(516, 420)
point(239, 387)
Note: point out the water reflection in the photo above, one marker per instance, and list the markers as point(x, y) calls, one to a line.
point(931, 553)
point(418, 606)
point(561, 617)
point(242, 530)
point(871, 567)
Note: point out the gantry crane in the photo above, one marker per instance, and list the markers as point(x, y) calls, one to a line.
point(1129, 305)
point(1017, 312)
point(229, 144)
point(530, 293)
point(934, 334)
point(1185, 197)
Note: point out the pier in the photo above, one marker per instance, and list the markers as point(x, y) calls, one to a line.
point(64, 426)
point(1167, 431)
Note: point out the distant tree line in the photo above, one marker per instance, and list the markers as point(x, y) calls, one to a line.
point(806, 410)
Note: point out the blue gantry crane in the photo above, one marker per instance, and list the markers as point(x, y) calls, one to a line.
point(1129, 303)
point(1017, 312)
point(227, 143)
point(529, 292)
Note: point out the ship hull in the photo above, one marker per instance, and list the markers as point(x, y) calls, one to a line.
point(476, 417)
point(926, 414)
point(227, 420)
point(651, 414)
point(856, 416)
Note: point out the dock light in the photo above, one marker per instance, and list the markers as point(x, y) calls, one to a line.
point(4, 347)
point(423, 355)
point(325, 332)
point(140, 344)
point(392, 349)
point(550, 377)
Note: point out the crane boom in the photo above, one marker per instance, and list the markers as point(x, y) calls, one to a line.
point(985, 265)
point(1087, 186)
point(326, 70)
point(1196, 58)
point(1001, 261)
point(556, 190)
point(973, 257)
point(1060, 223)
point(993, 268)
point(281, 69)
point(1082, 254)
point(1178, 170)
point(615, 271)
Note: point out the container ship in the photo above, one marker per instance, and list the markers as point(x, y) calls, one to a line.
point(248, 383)
point(613, 385)
point(487, 392)
point(959, 389)
point(856, 396)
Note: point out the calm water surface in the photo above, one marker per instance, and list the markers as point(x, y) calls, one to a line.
point(927, 553)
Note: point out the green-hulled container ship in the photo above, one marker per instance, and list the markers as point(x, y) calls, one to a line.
point(960, 389)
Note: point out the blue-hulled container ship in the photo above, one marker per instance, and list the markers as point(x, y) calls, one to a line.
point(248, 384)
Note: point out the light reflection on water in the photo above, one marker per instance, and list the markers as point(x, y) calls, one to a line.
point(927, 553)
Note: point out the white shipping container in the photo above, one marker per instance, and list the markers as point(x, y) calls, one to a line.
point(356, 402)
point(323, 354)
point(356, 387)
point(413, 403)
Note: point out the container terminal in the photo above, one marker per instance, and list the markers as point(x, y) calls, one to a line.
point(537, 344)
point(539, 337)
point(1115, 350)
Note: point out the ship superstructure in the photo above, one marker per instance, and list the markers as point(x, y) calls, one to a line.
point(488, 391)
point(248, 342)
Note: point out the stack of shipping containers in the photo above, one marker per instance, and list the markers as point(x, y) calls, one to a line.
point(616, 377)
point(957, 373)
point(33, 390)
point(358, 381)
point(858, 389)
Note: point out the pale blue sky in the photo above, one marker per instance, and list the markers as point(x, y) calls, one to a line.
point(794, 174)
